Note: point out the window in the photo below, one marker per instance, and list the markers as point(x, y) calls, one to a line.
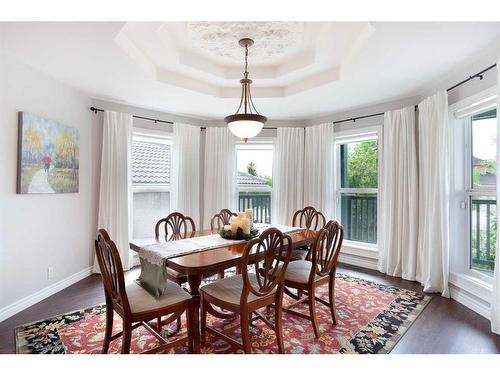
point(151, 163)
point(481, 190)
point(357, 187)
point(255, 178)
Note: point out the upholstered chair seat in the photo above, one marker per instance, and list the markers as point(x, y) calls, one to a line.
point(229, 289)
point(299, 271)
point(140, 300)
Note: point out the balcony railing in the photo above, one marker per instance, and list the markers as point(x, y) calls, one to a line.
point(483, 234)
point(260, 202)
point(359, 216)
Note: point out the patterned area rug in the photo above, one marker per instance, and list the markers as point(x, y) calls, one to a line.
point(371, 319)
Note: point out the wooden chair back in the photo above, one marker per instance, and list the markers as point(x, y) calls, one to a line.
point(111, 268)
point(272, 251)
point(326, 250)
point(176, 226)
point(222, 218)
point(309, 218)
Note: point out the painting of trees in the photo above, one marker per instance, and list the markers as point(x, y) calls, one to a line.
point(32, 143)
point(66, 150)
point(49, 156)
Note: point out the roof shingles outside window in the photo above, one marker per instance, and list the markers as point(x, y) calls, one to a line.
point(151, 165)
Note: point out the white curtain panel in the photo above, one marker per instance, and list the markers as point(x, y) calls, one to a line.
point(495, 296)
point(399, 195)
point(288, 174)
point(220, 173)
point(115, 184)
point(433, 231)
point(319, 168)
point(185, 180)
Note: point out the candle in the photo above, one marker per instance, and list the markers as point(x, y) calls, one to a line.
point(234, 225)
point(246, 225)
point(249, 213)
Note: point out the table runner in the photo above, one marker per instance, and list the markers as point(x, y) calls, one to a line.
point(153, 257)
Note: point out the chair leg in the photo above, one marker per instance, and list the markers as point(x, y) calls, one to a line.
point(331, 295)
point(203, 319)
point(221, 275)
point(127, 336)
point(312, 312)
point(279, 323)
point(179, 323)
point(190, 325)
point(158, 324)
point(245, 332)
point(109, 328)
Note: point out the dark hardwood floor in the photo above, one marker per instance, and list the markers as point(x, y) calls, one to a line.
point(445, 326)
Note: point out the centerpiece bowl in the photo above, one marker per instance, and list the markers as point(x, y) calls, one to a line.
point(239, 235)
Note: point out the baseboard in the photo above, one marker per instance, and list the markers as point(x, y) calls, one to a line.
point(30, 300)
point(359, 261)
point(471, 301)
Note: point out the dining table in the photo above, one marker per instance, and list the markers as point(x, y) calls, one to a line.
point(197, 262)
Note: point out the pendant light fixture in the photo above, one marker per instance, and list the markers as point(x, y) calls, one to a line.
point(249, 122)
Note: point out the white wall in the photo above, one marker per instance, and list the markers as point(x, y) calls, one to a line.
point(42, 230)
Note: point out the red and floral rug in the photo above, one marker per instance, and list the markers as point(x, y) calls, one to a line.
point(371, 319)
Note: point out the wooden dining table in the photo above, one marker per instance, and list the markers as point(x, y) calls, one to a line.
point(212, 261)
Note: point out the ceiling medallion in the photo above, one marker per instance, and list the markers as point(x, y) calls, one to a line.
point(249, 123)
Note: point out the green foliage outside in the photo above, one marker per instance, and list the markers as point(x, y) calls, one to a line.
point(487, 166)
point(362, 171)
point(480, 259)
point(268, 179)
point(252, 168)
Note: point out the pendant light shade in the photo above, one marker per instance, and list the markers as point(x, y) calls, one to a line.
point(249, 122)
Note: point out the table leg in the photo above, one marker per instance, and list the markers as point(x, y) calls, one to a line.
point(194, 282)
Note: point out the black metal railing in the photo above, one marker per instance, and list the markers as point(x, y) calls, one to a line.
point(359, 216)
point(260, 202)
point(483, 234)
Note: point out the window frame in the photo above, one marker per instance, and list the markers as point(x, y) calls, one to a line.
point(471, 192)
point(351, 136)
point(461, 114)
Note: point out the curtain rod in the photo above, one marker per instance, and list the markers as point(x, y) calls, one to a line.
point(95, 110)
point(477, 75)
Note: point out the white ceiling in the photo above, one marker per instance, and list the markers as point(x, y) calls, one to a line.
point(301, 70)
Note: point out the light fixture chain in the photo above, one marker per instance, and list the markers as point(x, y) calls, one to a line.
point(246, 62)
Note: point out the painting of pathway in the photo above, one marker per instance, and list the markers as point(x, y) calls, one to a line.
point(39, 183)
point(48, 161)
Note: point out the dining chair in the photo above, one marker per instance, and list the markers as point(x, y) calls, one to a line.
point(311, 219)
point(217, 223)
point(222, 218)
point(307, 275)
point(247, 292)
point(176, 226)
point(135, 305)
